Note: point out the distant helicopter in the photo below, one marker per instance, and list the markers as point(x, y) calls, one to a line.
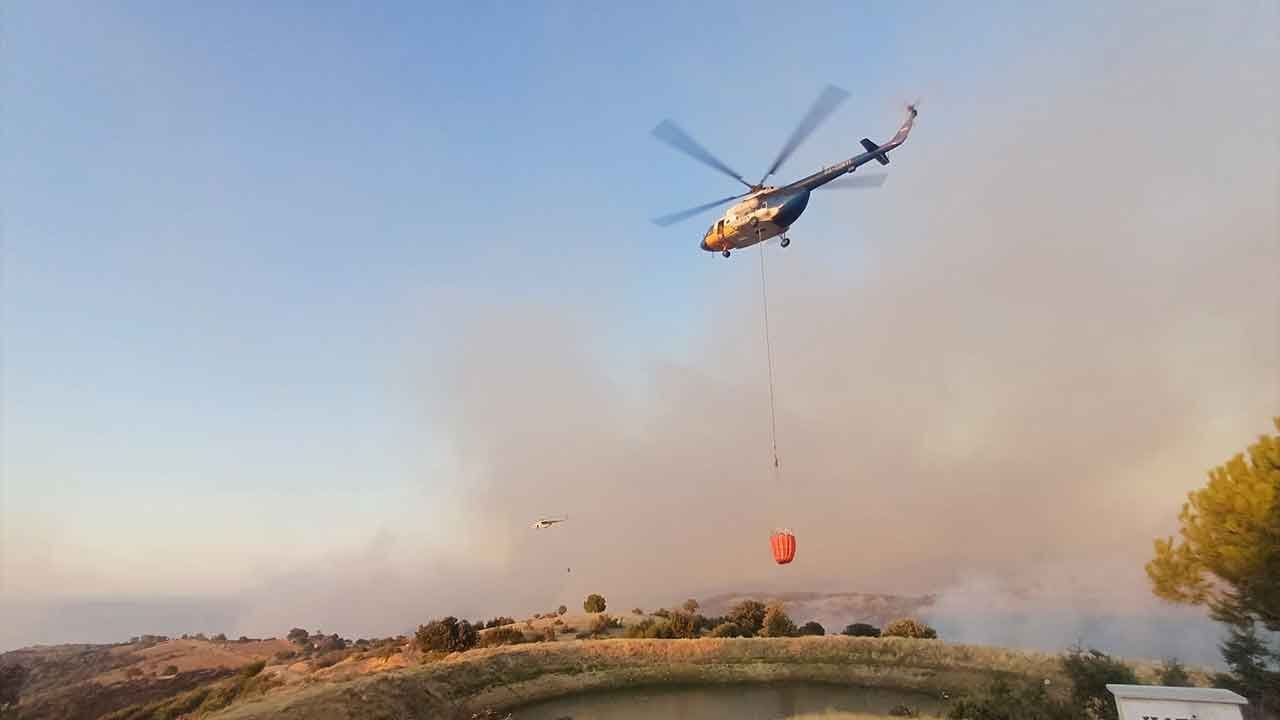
point(544, 523)
point(767, 211)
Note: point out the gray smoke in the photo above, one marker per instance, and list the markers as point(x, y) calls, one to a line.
point(1012, 364)
point(997, 376)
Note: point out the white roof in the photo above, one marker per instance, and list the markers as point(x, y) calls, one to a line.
point(1182, 694)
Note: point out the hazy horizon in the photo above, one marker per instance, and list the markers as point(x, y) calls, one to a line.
point(307, 320)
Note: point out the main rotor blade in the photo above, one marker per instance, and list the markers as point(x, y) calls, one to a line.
point(826, 103)
point(676, 217)
point(857, 181)
point(671, 134)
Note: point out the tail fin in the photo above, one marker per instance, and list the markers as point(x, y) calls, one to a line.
point(882, 158)
point(901, 136)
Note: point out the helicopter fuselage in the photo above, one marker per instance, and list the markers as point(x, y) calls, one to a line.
point(758, 218)
point(764, 211)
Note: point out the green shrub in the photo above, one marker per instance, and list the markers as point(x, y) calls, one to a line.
point(662, 613)
point(558, 621)
point(1002, 701)
point(903, 711)
point(284, 655)
point(690, 606)
point(777, 623)
point(502, 636)
point(685, 625)
point(652, 629)
point(298, 635)
point(1174, 674)
point(184, 704)
point(909, 628)
point(219, 697)
point(223, 695)
point(660, 630)
point(748, 615)
point(171, 670)
point(637, 611)
point(548, 634)
point(600, 624)
point(1090, 672)
point(584, 635)
point(726, 630)
point(252, 668)
point(446, 635)
point(133, 672)
point(499, 622)
point(861, 630)
point(562, 610)
point(812, 628)
point(327, 643)
point(220, 637)
point(594, 603)
point(328, 659)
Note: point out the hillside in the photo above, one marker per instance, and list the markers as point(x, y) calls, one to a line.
point(81, 682)
point(323, 676)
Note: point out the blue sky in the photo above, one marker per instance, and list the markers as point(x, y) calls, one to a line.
point(235, 235)
point(220, 219)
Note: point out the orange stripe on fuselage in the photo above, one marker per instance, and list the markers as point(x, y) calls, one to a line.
point(727, 239)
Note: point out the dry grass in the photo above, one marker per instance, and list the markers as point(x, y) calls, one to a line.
point(505, 677)
point(189, 655)
point(200, 701)
point(80, 682)
point(839, 715)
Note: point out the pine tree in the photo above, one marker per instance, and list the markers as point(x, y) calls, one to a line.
point(1228, 558)
point(1253, 674)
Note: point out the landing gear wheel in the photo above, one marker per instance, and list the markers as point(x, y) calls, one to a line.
point(785, 242)
point(725, 253)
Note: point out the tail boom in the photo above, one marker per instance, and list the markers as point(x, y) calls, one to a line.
point(878, 153)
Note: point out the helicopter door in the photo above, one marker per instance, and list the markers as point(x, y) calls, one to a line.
point(720, 227)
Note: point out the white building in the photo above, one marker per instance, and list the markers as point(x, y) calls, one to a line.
point(1151, 702)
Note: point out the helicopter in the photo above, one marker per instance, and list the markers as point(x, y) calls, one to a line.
point(545, 522)
point(766, 211)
